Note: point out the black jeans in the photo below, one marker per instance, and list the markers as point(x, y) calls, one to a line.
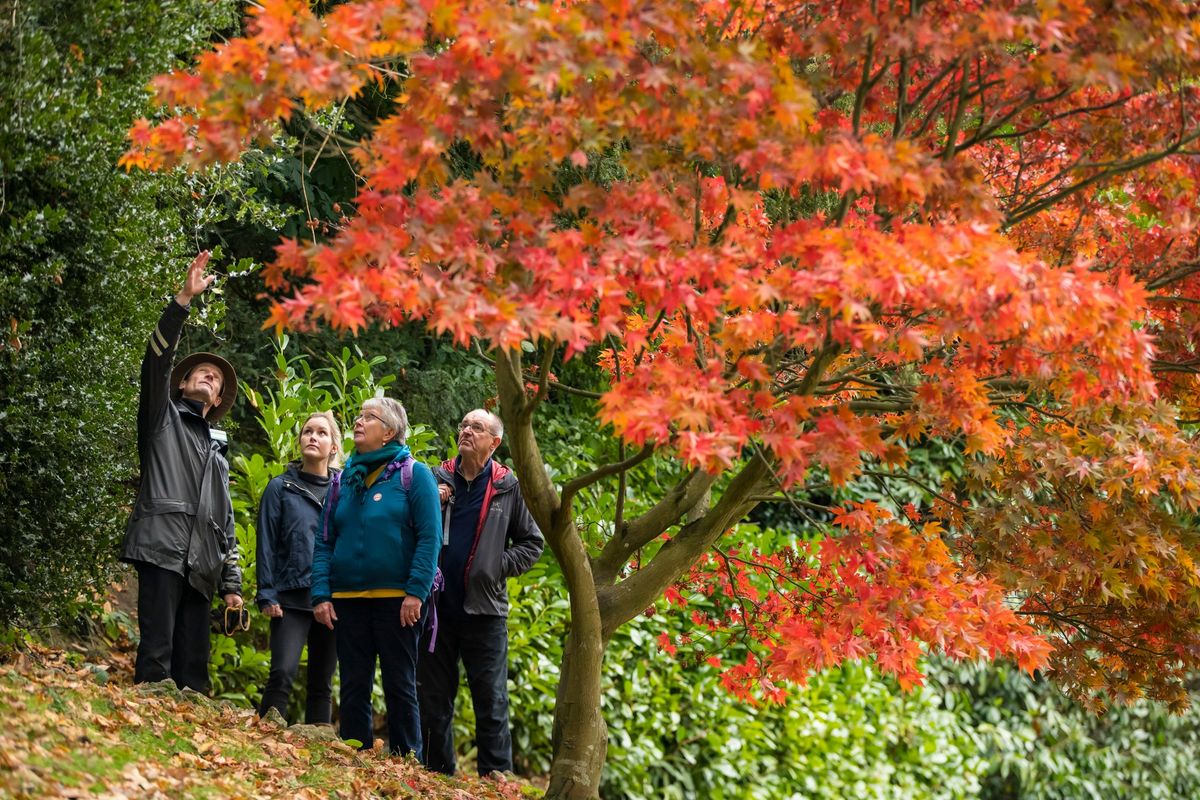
point(173, 620)
point(367, 628)
point(482, 644)
point(289, 634)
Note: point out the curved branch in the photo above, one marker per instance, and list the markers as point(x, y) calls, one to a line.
point(960, 111)
point(1030, 209)
point(575, 485)
point(917, 482)
point(864, 85)
point(990, 132)
point(543, 386)
point(623, 601)
point(536, 487)
point(1177, 274)
point(1191, 366)
point(1096, 630)
point(648, 526)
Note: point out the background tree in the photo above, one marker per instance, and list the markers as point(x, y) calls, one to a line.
point(90, 255)
point(973, 731)
point(801, 240)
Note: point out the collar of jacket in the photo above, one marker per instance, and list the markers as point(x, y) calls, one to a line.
point(216, 437)
point(295, 468)
point(293, 481)
point(187, 408)
point(503, 478)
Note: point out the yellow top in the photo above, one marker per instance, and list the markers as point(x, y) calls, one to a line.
point(372, 593)
point(373, 475)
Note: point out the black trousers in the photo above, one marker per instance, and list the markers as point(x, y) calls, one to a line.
point(173, 620)
point(369, 629)
point(481, 642)
point(289, 634)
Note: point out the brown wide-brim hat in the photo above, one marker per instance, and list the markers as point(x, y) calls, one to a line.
point(228, 381)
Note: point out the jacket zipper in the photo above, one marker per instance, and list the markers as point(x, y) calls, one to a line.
point(489, 494)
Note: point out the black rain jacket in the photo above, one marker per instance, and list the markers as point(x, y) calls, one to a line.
point(183, 519)
point(289, 514)
point(507, 541)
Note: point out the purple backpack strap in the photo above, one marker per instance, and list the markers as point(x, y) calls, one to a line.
point(406, 468)
point(405, 465)
point(335, 485)
point(438, 584)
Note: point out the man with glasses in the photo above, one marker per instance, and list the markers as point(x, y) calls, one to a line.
point(488, 537)
point(180, 535)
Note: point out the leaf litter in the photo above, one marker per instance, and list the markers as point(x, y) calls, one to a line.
point(82, 730)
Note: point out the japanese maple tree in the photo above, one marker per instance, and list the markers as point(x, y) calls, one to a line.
point(801, 239)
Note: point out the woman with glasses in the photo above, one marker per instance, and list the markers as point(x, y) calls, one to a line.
point(288, 517)
point(373, 567)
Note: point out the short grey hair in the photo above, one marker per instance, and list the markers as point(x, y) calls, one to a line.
point(493, 420)
point(391, 414)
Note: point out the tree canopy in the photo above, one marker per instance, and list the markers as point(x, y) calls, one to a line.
point(801, 241)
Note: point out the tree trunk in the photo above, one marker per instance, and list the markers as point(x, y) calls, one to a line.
point(580, 733)
point(580, 737)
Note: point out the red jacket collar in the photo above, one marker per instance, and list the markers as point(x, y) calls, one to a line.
point(498, 469)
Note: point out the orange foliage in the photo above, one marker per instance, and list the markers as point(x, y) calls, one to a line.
point(1006, 257)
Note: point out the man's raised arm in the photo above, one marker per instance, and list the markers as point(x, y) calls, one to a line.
point(160, 349)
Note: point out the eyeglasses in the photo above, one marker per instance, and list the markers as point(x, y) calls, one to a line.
point(367, 418)
point(478, 427)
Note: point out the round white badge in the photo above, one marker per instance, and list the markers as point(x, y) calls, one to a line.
point(378, 497)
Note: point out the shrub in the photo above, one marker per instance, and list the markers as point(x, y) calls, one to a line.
point(89, 254)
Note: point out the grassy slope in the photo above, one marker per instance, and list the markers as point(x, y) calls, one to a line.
point(71, 729)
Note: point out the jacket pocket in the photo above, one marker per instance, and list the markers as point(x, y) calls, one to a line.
point(207, 563)
point(218, 532)
point(487, 570)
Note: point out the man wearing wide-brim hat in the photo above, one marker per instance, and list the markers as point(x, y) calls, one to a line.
point(181, 537)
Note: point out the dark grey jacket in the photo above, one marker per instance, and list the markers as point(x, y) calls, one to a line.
point(183, 519)
point(507, 541)
point(288, 516)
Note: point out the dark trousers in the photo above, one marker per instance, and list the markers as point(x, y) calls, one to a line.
point(173, 620)
point(289, 634)
point(367, 629)
point(482, 644)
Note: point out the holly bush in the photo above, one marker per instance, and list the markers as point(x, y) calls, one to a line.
point(88, 257)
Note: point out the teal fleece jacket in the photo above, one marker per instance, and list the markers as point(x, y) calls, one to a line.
point(383, 538)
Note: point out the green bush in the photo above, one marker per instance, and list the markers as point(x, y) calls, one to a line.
point(88, 256)
point(1041, 745)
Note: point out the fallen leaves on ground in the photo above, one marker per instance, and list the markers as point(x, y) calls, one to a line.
point(74, 729)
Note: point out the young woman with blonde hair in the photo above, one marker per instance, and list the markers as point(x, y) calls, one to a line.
point(288, 518)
